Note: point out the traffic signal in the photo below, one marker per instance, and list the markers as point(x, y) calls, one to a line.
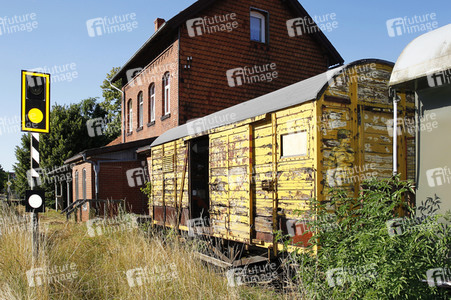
point(34, 201)
point(35, 102)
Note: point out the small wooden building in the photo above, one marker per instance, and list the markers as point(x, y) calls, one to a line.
point(246, 169)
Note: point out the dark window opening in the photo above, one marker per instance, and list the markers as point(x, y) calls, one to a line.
point(199, 175)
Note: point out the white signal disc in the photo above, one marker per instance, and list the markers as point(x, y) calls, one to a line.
point(35, 201)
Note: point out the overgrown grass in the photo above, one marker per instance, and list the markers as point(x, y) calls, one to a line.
point(100, 264)
point(362, 254)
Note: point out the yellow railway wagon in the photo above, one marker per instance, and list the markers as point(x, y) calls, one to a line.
point(244, 170)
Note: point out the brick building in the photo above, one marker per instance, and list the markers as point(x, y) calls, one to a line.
point(197, 62)
point(210, 56)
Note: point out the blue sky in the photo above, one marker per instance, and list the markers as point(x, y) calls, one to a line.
point(61, 39)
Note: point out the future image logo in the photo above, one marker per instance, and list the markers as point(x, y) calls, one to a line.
point(21, 23)
point(339, 276)
point(439, 78)
point(250, 75)
point(307, 25)
point(438, 176)
point(410, 25)
point(139, 276)
point(208, 25)
point(99, 226)
point(52, 275)
point(109, 25)
point(137, 177)
point(438, 276)
point(96, 127)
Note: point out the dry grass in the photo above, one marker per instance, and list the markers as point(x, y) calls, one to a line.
point(101, 263)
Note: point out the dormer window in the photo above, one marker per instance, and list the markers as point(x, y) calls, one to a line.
point(258, 26)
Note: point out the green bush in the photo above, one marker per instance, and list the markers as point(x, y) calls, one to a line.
point(362, 256)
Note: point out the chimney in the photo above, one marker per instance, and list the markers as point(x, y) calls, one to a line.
point(158, 23)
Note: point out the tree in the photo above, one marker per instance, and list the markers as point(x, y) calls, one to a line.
point(3, 178)
point(69, 133)
point(112, 104)
point(22, 153)
point(68, 136)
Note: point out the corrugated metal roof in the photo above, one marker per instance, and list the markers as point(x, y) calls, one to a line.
point(294, 94)
point(427, 54)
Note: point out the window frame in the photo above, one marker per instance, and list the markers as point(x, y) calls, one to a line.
point(294, 156)
point(140, 110)
point(84, 183)
point(166, 94)
point(152, 114)
point(264, 28)
point(130, 116)
point(77, 188)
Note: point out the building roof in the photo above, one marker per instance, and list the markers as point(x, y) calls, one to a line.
point(116, 141)
point(109, 149)
point(427, 54)
point(141, 58)
point(300, 92)
point(297, 93)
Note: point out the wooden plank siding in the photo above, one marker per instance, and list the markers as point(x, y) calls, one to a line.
point(166, 184)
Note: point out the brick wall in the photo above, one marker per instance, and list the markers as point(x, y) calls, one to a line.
point(153, 74)
point(115, 184)
point(83, 214)
point(205, 89)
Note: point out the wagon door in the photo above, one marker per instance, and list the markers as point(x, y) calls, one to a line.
point(230, 175)
point(340, 154)
point(377, 143)
point(263, 184)
point(284, 175)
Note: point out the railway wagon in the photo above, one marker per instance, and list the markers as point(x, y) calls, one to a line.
point(427, 72)
point(245, 170)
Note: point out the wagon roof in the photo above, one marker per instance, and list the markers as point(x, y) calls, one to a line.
point(427, 54)
point(300, 92)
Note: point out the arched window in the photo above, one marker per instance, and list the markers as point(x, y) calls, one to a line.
point(152, 103)
point(76, 185)
point(140, 110)
point(130, 116)
point(84, 183)
point(166, 93)
point(258, 26)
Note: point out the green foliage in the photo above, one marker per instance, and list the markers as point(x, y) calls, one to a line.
point(112, 104)
point(147, 189)
point(69, 133)
point(22, 153)
point(376, 264)
point(3, 178)
point(68, 136)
